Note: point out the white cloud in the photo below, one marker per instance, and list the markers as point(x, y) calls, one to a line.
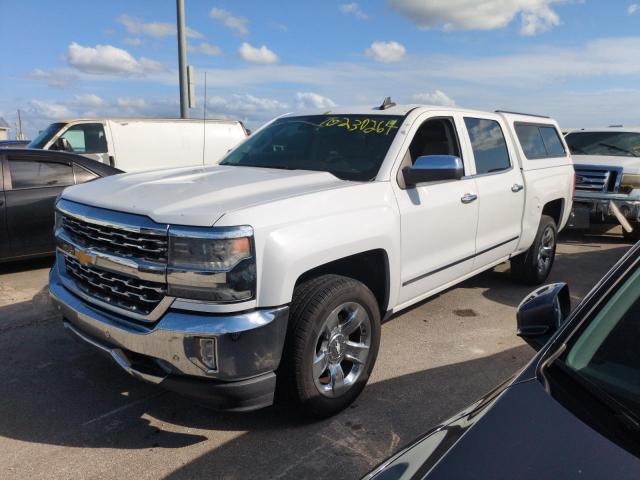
point(205, 49)
point(245, 106)
point(48, 110)
point(386, 52)
point(131, 103)
point(107, 59)
point(239, 24)
point(436, 97)
point(132, 41)
point(633, 8)
point(281, 27)
point(353, 9)
point(54, 78)
point(535, 15)
point(90, 100)
point(260, 55)
point(153, 29)
point(311, 100)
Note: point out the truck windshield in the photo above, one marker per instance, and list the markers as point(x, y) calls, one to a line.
point(600, 371)
point(44, 136)
point(351, 147)
point(618, 144)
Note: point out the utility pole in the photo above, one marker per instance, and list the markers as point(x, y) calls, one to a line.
point(19, 134)
point(182, 61)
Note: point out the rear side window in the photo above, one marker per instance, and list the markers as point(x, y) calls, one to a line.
point(36, 174)
point(82, 174)
point(488, 145)
point(539, 141)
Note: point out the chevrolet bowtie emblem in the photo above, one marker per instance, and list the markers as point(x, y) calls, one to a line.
point(85, 258)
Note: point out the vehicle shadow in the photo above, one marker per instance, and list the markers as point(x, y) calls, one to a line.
point(26, 265)
point(76, 398)
point(581, 270)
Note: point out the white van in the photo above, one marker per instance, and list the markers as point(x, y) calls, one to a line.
point(135, 144)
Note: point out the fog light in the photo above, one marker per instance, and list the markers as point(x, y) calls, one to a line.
point(208, 353)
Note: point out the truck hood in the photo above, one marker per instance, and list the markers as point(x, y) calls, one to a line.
point(629, 164)
point(198, 196)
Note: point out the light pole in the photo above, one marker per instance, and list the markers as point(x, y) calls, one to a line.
point(182, 61)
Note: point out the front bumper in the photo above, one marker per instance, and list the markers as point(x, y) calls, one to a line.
point(248, 347)
point(603, 208)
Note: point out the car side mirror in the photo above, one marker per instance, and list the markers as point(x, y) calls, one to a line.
point(542, 312)
point(61, 144)
point(432, 168)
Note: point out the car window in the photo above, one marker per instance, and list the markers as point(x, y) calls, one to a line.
point(82, 175)
point(619, 144)
point(552, 142)
point(38, 174)
point(435, 137)
point(488, 144)
point(539, 141)
point(86, 138)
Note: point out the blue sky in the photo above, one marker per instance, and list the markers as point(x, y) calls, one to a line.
point(576, 60)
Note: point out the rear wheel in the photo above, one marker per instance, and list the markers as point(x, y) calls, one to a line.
point(533, 266)
point(332, 344)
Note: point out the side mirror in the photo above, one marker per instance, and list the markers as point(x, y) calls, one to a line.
point(61, 144)
point(432, 168)
point(542, 312)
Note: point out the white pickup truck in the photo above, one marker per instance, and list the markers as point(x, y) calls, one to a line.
point(273, 271)
point(607, 163)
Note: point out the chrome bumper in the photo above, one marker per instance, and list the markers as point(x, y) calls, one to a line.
point(247, 344)
point(604, 208)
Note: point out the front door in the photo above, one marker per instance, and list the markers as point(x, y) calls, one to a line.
point(500, 190)
point(89, 140)
point(5, 249)
point(438, 222)
point(30, 199)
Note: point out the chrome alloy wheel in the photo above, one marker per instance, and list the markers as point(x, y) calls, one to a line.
point(342, 349)
point(547, 247)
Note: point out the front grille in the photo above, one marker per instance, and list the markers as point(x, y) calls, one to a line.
point(137, 296)
point(119, 242)
point(595, 179)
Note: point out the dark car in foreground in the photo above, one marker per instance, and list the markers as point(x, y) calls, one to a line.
point(30, 181)
point(573, 412)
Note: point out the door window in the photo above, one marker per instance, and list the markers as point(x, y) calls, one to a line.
point(86, 138)
point(37, 174)
point(436, 136)
point(488, 144)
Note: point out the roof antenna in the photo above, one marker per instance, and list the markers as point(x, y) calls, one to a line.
point(386, 103)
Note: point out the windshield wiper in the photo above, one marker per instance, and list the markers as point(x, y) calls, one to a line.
point(620, 149)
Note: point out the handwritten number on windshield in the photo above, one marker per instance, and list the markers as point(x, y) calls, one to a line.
point(364, 125)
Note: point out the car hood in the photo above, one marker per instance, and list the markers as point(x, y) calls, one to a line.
point(629, 164)
point(198, 196)
point(523, 433)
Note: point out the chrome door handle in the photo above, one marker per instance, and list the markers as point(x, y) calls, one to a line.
point(516, 187)
point(468, 197)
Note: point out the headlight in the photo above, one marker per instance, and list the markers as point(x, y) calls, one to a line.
point(212, 264)
point(629, 182)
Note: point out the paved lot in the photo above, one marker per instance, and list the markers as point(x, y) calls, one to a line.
point(65, 412)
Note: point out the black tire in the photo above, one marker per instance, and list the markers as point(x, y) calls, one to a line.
point(526, 267)
point(634, 235)
point(313, 303)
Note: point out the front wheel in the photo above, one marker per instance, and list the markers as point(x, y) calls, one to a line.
point(533, 266)
point(332, 344)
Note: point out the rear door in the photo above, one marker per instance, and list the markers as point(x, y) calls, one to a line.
point(5, 249)
point(500, 188)
point(34, 182)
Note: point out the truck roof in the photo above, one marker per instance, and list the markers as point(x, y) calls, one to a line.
point(403, 110)
point(144, 119)
point(615, 128)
